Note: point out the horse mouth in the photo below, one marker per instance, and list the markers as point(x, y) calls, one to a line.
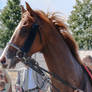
point(5, 65)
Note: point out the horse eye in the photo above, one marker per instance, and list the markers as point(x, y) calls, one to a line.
point(23, 30)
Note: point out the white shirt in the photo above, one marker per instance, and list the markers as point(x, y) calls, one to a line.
point(29, 82)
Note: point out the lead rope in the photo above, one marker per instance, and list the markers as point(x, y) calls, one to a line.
point(34, 65)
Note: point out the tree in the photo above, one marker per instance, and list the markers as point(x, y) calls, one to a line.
point(9, 19)
point(80, 23)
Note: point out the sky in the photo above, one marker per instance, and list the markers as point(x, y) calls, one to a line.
point(63, 6)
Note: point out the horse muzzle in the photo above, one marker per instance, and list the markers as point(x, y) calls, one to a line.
point(3, 62)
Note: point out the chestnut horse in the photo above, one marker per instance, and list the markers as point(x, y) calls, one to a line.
point(48, 34)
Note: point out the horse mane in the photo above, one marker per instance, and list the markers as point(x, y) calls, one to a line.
point(62, 28)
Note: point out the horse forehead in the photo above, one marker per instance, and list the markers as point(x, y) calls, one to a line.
point(26, 15)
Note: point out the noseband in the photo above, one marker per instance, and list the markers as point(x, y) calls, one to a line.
point(28, 43)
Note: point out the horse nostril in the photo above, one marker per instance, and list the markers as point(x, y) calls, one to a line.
point(3, 61)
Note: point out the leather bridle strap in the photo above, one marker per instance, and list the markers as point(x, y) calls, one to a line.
point(28, 43)
point(34, 65)
point(14, 46)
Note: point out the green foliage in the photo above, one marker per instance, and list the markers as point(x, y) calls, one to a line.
point(80, 23)
point(9, 18)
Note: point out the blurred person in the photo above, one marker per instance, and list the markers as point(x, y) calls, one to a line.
point(29, 80)
point(2, 86)
point(5, 82)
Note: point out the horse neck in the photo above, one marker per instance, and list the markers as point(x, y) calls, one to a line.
point(60, 60)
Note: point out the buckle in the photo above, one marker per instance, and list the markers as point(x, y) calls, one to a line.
point(19, 54)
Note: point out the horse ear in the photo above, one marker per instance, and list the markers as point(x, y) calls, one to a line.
point(22, 9)
point(29, 8)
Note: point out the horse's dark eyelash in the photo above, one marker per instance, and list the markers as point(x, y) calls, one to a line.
point(23, 29)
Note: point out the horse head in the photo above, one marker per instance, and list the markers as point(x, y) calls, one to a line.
point(27, 37)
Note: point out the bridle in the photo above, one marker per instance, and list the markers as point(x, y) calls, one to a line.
point(22, 54)
point(28, 43)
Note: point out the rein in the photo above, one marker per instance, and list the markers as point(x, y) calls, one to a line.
point(35, 66)
point(22, 55)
